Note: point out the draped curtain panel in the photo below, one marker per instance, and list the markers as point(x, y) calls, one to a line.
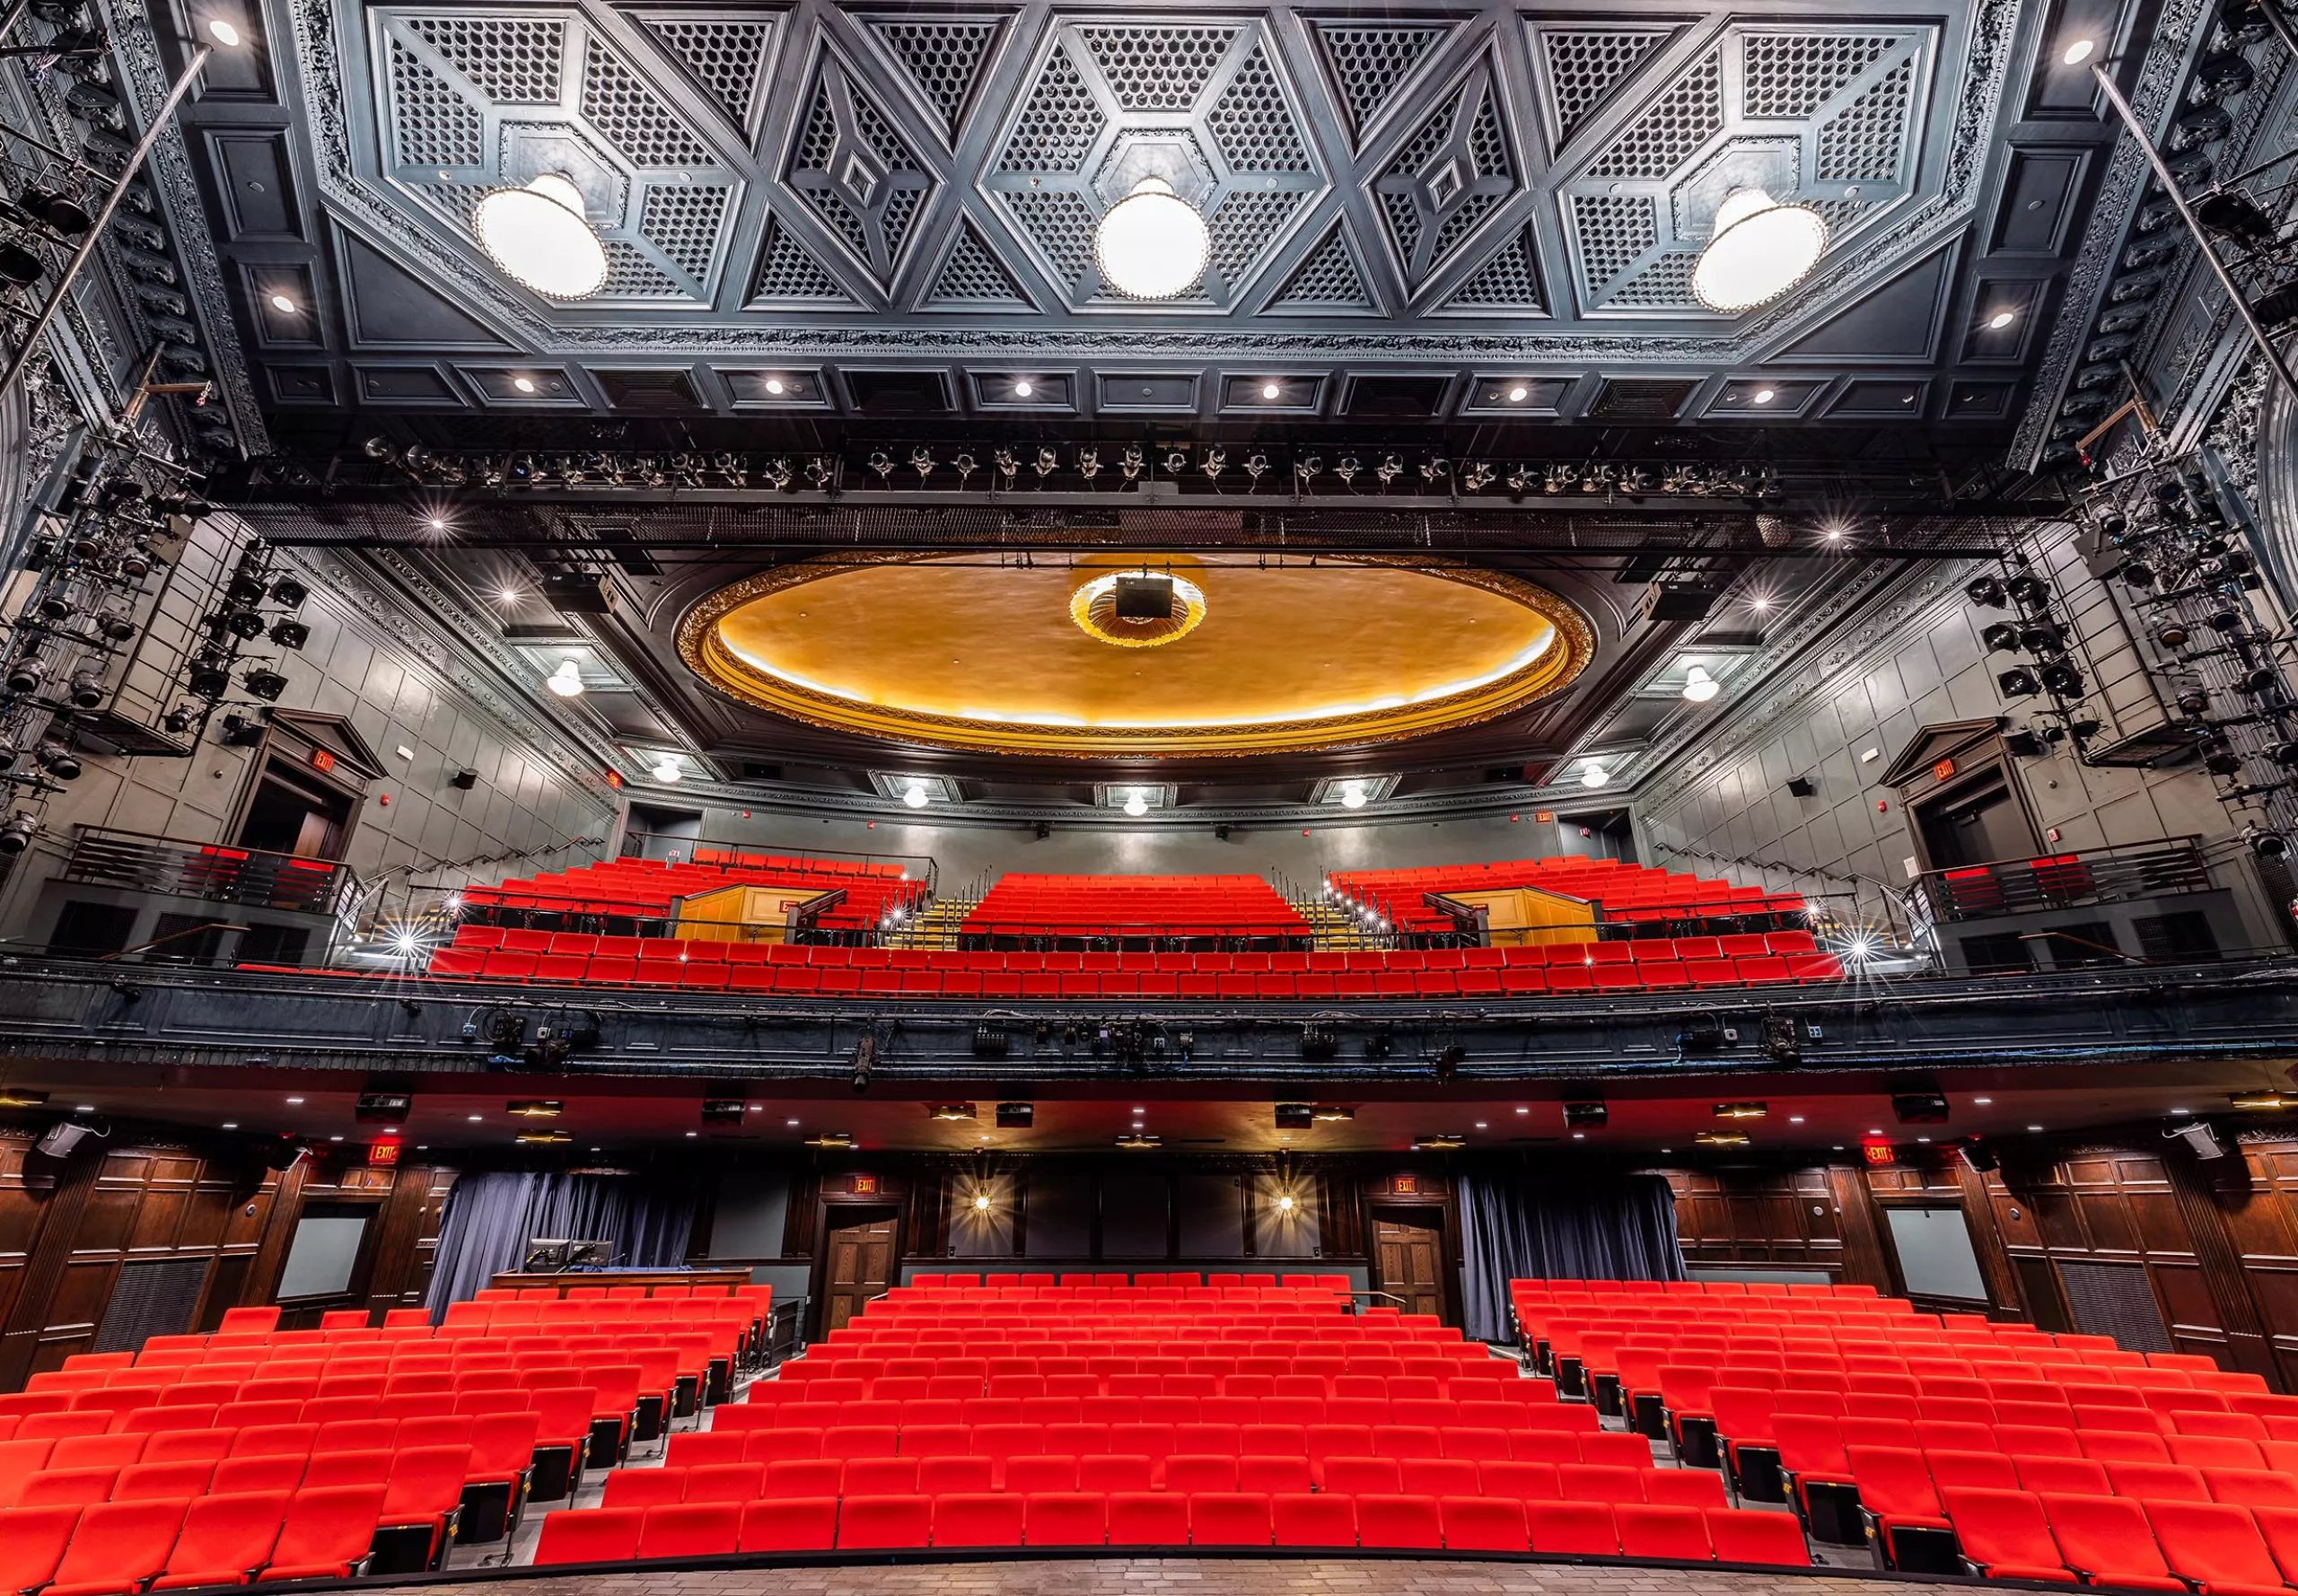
point(1519, 1227)
point(491, 1215)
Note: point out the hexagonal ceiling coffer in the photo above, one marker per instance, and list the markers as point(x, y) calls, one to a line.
point(1171, 153)
point(531, 149)
point(1773, 165)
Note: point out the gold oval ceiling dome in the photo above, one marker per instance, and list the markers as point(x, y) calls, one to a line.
point(1124, 657)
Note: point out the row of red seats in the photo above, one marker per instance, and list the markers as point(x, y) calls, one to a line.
point(1202, 1385)
point(1018, 901)
point(2215, 1548)
point(1524, 1440)
point(1525, 1478)
point(174, 1543)
point(1230, 1519)
point(1295, 1287)
point(648, 889)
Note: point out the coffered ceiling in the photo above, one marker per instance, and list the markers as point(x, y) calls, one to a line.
point(823, 210)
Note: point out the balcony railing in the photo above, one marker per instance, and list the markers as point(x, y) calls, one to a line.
point(176, 868)
point(2064, 881)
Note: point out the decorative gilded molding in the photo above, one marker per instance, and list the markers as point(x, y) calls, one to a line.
point(701, 645)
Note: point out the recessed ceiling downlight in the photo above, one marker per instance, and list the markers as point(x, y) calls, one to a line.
point(1152, 244)
point(541, 237)
point(1759, 250)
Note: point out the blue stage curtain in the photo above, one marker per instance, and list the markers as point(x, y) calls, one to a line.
point(1518, 1226)
point(492, 1215)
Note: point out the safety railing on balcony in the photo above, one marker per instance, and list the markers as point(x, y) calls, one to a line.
point(177, 868)
point(2005, 887)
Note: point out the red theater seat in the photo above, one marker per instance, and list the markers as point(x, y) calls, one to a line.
point(591, 1535)
point(879, 1523)
point(1326, 1519)
point(119, 1545)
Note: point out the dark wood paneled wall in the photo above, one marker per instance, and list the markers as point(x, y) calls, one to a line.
point(69, 1226)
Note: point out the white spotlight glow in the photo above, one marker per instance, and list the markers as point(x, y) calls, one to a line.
point(1135, 805)
point(915, 796)
point(1152, 244)
point(668, 768)
point(1352, 795)
point(1594, 776)
point(1699, 686)
point(2078, 52)
point(2001, 320)
point(541, 237)
point(566, 682)
point(1758, 250)
point(224, 33)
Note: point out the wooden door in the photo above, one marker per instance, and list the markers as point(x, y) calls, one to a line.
point(1410, 1250)
point(859, 1261)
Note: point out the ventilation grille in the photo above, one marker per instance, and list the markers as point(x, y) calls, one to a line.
point(1585, 68)
point(971, 278)
point(1251, 123)
point(1057, 126)
point(1792, 75)
point(511, 60)
point(1615, 231)
point(155, 1297)
point(1630, 399)
point(788, 273)
point(1157, 69)
point(1862, 142)
point(1685, 118)
point(619, 105)
point(1367, 63)
point(683, 224)
point(722, 57)
point(1328, 279)
point(2115, 1299)
point(1060, 225)
point(431, 123)
point(1507, 281)
point(944, 59)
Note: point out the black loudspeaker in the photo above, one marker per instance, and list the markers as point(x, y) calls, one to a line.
point(1981, 1156)
point(1664, 602)
point(1801, 786)
point(1920, 1108)
point(1296, 1116)
point(1586, 1116)
point(1016, 1116)
point(465, 779)
point(1144, 598)
point(578, 593)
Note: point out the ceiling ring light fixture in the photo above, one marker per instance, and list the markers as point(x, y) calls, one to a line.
point(539, 235)
point(1759, 250)
point(1152, 244)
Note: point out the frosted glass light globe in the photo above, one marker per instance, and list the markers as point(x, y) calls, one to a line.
point(1759, 250)
point(1152, 244)
point(539, 235)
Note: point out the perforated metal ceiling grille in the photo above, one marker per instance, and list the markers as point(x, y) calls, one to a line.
point(620, 106)
point(1251, 123)
point(1488, 152)
point(1583, 67)
point(971, 278)
point(786, 272)
point(1057, 126)
point(1242, 228)
point(1367, 63)
point(632, 276)
point(1327, 279)
point(2115, 1299)
point(1792, 75)
point(722, 57)
point(1153, 68)
point(1507, 282)
point(1061, 225)
point(1664, 285)
point(431, 123)
point(683, 224)
point(1686, 117)
point(511, 60)
point(811, 171)
point(1613, 230)
point(1863, 140)
point(944, 59)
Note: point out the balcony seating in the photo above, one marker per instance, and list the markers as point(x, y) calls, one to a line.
point(644, 889)
point(1648, 964)
point(1631, 892)
point(1242, 907)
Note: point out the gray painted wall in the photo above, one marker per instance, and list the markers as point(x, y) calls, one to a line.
point(1917, 661)
point(357, 664)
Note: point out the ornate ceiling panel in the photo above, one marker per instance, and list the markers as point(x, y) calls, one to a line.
point(1476, 190)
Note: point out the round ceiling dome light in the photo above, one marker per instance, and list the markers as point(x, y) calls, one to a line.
point(1699, 686)
point(1759, 250)
point(566, 682)
point(1594, 776)
point(1135, 804)
point(667, 768)
point(1352, 795)
point(1152, 244)
point(915, 797)
point(539, 235)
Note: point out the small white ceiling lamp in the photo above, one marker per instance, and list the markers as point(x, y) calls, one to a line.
point(1152, 244)
point(539, 235)
point(2077, 52)
point(1594, 775)
point(566, 682)
point(1136, 804)
point(668, 768)
point(1759, 250)
point(914, 796)
point(1352, 795)
point(1699, 686)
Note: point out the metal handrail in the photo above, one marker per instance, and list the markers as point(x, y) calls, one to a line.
point(179, 867)
point(2004, 887)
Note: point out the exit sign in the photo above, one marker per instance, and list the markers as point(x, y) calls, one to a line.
point(1405, 1185)
point(864, 1185)
point(382, 1154)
